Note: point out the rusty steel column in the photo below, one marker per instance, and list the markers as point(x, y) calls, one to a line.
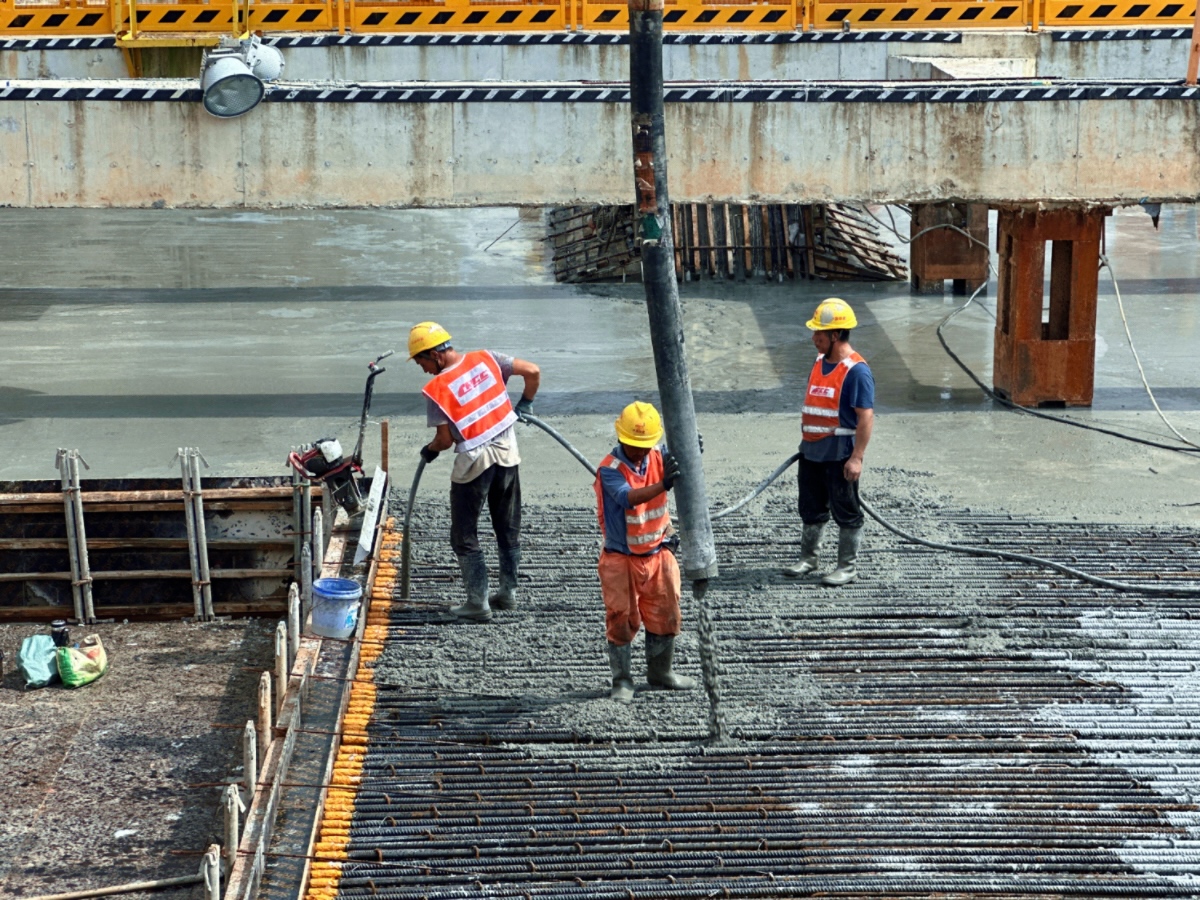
point(947, 255)
point(1045, 352)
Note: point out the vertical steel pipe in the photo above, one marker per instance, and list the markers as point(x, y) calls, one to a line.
point(210, 868)
point(250, 760)
point(306, 582)
point(265, 725)
point(189, 515)
point(662, 289)
point(81, 550)
point(653, 212)
point(282, 666)
point(294, 618)
point(232, 806)
point(318, 542)
point(297, 524)
point(201, 534)
point(64, 470)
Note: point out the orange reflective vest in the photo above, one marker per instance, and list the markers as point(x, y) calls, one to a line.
point(472, 395)
point(822, 400)
point(645, 524)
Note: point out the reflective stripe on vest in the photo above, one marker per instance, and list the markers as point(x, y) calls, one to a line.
point(472, 395)
point(645, 524)
point(823, 399)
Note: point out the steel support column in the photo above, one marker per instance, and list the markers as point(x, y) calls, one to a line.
point(1045, 347)
point(945, 254)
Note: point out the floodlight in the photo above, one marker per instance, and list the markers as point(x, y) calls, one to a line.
point(232, 76)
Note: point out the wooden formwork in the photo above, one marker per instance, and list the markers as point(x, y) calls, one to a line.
point(139, 547)
point(773, 242)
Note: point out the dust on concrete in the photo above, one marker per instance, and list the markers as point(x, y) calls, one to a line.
point(111, 783)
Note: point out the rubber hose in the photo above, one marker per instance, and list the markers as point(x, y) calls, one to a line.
point(1154, 590)
point(534, 420)
point(405, 541)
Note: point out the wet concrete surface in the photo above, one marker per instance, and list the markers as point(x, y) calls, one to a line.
point(131, 333)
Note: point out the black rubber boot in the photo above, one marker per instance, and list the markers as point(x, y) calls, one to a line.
point(810, 542)
point(847, 567)
point(475, 580)
point(660, 652)
point(506, 597)
point(620, 660)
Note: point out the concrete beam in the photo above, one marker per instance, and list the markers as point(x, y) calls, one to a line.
point(573, 56)
point(98, 144)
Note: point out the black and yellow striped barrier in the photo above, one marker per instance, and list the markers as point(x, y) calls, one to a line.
point(146, 20)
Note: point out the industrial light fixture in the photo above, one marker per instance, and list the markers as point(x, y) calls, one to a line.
point(232, 76)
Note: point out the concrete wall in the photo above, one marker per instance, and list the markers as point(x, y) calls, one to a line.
point(868, 61)
point(132, 154)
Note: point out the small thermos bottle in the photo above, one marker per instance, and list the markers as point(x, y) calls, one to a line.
point(59, 633)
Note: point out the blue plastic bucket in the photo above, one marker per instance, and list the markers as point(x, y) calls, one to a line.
point(335, 606)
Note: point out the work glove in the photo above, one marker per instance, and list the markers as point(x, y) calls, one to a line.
point(672, 543)
point(524, 408)
point(670, 471)
point(428, 454)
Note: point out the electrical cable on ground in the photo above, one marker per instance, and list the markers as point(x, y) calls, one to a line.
point(1003, 401)
point(1137, 359)
point(1125, 587)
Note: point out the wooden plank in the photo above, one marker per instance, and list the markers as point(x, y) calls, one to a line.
point(145, 574)
point(276, 603)
point(259, 493)
point(230, 505)
point(143, 543)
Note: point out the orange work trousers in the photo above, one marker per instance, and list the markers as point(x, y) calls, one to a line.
point(639, 589)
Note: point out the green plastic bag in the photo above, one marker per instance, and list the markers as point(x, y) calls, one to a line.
point(36, 660)
point(83, 663)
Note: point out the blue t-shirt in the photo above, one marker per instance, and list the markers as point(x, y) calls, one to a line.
point(858, 392)
point(616, 501)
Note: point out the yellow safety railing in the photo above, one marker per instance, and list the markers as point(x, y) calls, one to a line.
point(145, 19)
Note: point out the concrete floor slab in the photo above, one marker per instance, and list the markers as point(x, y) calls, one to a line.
point(131, 333)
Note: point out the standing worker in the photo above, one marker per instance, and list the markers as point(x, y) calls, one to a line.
point(639, 577)
point(467, 401)
point(839, 413)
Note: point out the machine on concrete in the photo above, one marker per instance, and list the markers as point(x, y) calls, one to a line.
point(324, 462)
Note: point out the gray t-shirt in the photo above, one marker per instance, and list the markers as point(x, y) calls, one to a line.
point(499, 451)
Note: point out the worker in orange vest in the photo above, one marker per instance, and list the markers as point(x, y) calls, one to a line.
point(468, 404)
point(839, 414)
point(639, 577)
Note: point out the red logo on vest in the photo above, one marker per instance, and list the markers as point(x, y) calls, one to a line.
point(469, 385)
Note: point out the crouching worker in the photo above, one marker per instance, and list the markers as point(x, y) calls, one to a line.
point(639, 577)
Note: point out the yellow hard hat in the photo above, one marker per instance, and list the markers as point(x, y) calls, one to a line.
point(639, 425)
point(425, 336)
point(831, 314)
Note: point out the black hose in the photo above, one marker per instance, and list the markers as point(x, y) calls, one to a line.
point(406, 541)
point(1003, 401)
point(534, 420)
point(1153, 590)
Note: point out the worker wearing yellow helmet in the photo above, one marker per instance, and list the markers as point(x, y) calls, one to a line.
point(838, 416)
point(467, 402)
point(639, 576)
